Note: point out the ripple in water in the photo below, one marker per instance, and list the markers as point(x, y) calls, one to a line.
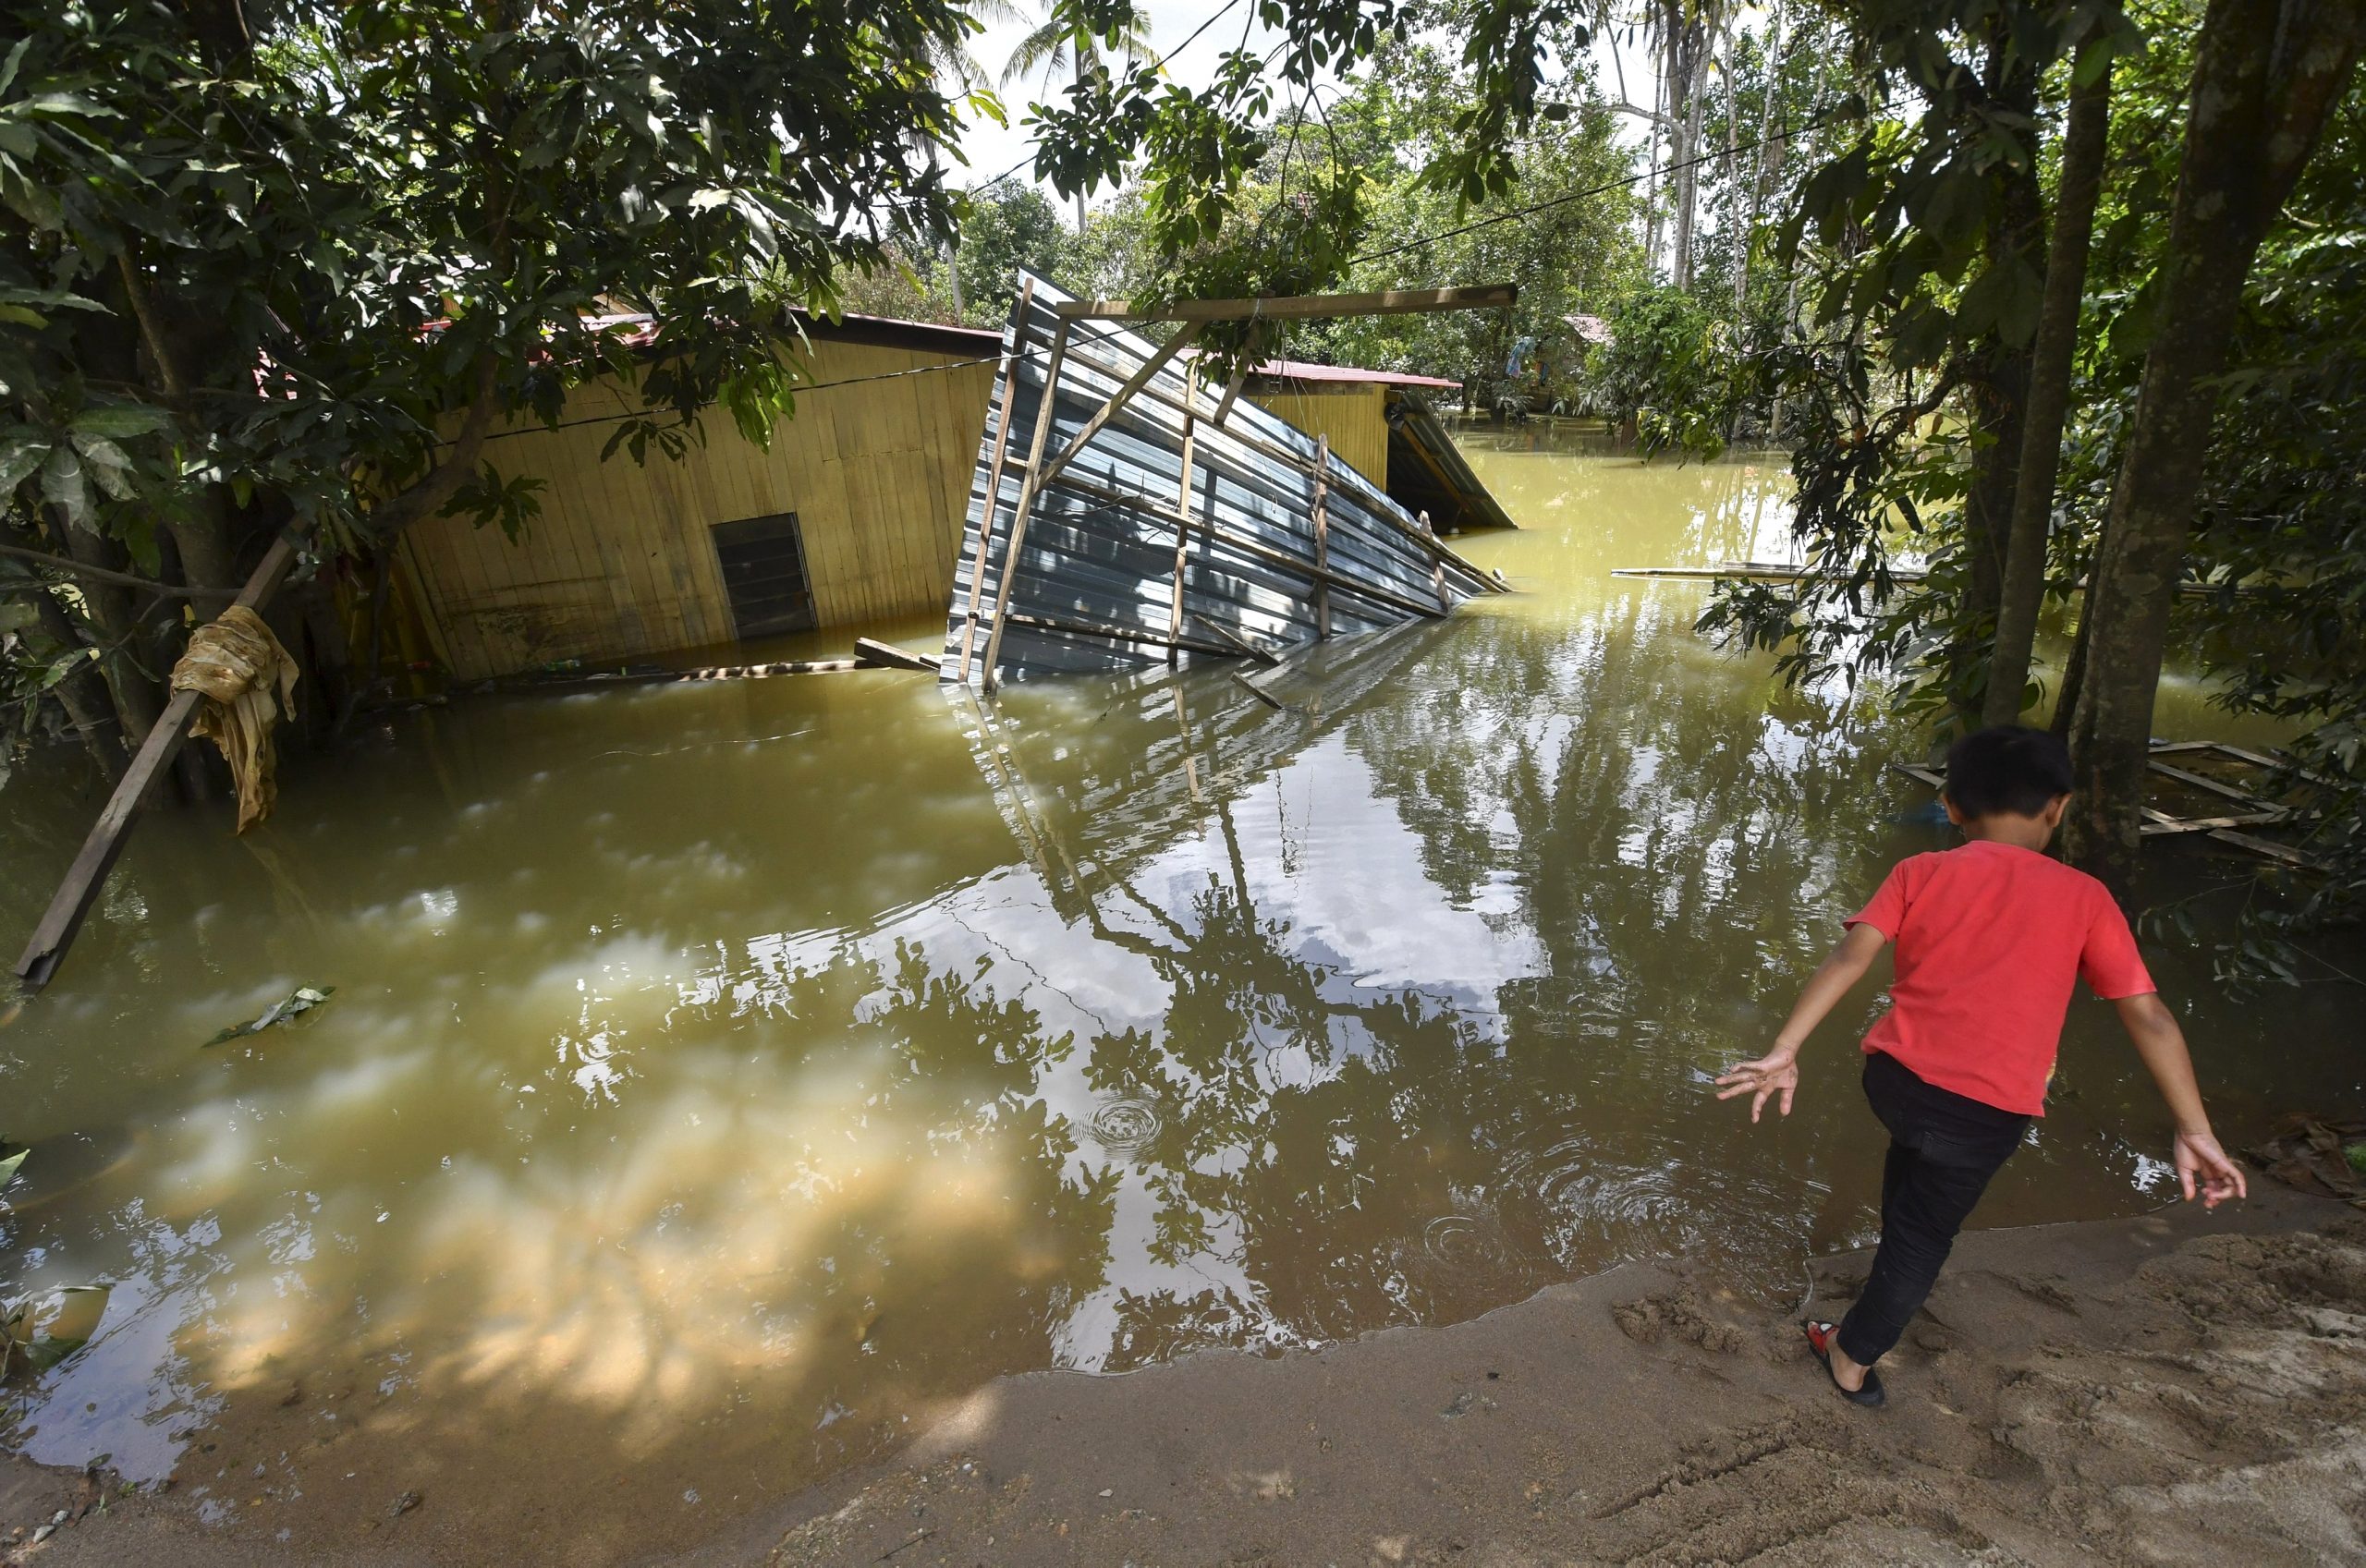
point(1126, 1129)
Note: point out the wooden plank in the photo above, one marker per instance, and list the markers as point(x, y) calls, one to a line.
point(63, 920)
point(2204, 781)
point(1231, 391)
point(2159, 823)
point(1113, 634)
point(1260, 693)
point(1183, 507)
point(1322, 537)
point(1045, 415)
point(870, 651)
point(1238, 643)
point(2260, 760)
point(1117, 401)
point(2266, 848)
point(1922, 775)
point(1296, 308)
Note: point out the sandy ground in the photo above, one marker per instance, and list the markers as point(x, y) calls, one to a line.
point(2176, 1389)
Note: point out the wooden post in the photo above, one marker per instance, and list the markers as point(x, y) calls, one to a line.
point(1437, 569)
point(1183, 508)
point(1322, 538)
point(89, 872)
point(1010, 363)
point(1044, 413)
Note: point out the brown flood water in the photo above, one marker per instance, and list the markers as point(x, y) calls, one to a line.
point(721, 1081)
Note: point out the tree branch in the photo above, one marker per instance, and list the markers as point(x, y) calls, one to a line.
point(100, 574)
point(150, 334)
point(444, 480)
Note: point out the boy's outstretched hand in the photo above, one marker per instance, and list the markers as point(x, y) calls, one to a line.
point(1777, 1073)
point(2201, 1163)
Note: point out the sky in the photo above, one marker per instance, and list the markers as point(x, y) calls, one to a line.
point(992, 149)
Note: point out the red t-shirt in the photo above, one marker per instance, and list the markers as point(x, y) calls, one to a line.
point(1991, 940)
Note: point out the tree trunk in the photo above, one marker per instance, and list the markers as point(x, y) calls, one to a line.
point(1652, 184)
point(1759, 175)
point(138, 698)
point(2266, 73)
point(2023, 595)
point(1998, 381)
point(84, 696)
point(1686, 54)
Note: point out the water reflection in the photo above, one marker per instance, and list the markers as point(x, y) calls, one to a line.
point(720, 1081)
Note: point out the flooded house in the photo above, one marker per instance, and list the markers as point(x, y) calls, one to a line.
point(852, 516)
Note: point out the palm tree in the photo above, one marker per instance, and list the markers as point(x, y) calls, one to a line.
point(1066, 41)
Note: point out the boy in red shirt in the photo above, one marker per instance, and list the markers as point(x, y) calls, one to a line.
point(1991, 937)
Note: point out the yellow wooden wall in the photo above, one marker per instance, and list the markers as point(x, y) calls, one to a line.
point(1355, 418)
point(619, 562)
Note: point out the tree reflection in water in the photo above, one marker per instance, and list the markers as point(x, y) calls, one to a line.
point(719, 1081)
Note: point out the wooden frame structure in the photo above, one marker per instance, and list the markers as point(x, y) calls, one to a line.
point(2226, 827)
point(1268, 537)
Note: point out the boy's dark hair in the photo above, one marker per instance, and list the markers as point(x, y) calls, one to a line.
point(2009, 768)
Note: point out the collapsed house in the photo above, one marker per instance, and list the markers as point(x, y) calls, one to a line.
point(1123, 514)
point(851, 517)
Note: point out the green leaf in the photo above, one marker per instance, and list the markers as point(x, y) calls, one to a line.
point(119, 422)
point(21, 453)
point(63, 486)
point(56, 674)
point(9, 1167)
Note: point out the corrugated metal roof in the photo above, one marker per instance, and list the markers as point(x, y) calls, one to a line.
point(1094, 585)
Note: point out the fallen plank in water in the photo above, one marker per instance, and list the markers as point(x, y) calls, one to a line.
point(88, 874)
point(886, 655)
point(1781, 571)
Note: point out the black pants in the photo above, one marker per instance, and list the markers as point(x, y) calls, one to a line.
point(1945, 1147)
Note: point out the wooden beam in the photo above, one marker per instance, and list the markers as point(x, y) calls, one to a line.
point(2266, 848)
point(1240, 644)
point(1109, 410)
point(1183, 507)
point(1297, 307)
point(1010, 363)
point(1045, 412)
point(1108, 633)
point(2158, 823)
point(1322, 537)
point(1231, 389)
point(1260, 693)
point(886, 655)
point(2202, 782)
point(88, 874)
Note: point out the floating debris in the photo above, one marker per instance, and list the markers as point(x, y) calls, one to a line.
point(303, 999)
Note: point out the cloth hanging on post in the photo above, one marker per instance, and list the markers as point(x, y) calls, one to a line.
point(236, 665)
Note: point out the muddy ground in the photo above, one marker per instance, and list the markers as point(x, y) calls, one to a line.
point(2180, 1388)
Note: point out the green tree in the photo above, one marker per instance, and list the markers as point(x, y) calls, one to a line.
point(290, 266)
